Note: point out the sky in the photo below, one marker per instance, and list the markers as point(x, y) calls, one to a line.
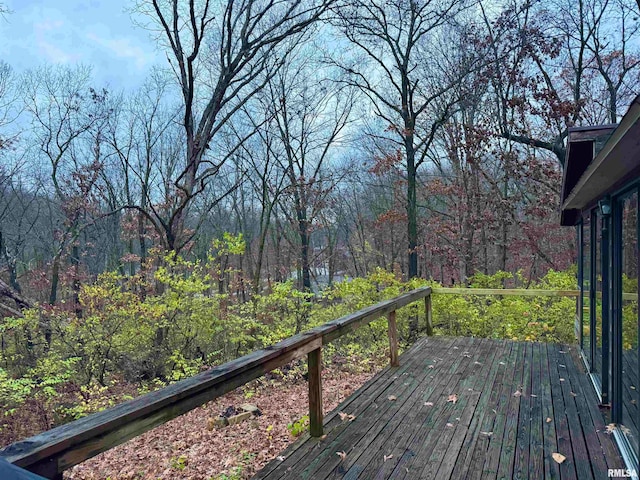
point(99, 33)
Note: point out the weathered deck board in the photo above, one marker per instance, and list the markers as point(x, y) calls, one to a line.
point(487, 433)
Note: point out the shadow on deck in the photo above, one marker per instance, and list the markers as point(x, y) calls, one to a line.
point(463, 408)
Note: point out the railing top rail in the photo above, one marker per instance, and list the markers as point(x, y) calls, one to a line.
point(506, 291)
point(72, 443)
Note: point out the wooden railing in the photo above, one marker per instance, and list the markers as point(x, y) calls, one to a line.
point(520, 292)
point(56, 450)
point(507, 291)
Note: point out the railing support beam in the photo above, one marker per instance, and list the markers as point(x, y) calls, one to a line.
point(428, 315)
point(315, 392)
point(393, 339)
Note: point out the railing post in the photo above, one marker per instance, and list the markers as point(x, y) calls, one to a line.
point(393, 339)
point(429, 318)
point(315, 392)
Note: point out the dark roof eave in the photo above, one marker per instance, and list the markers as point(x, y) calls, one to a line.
point(617, 158)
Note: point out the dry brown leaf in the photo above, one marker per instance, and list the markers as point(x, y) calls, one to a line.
point(610, 428)
point(428, 404)
point(323, 437)
point(453, 398)
point(342, 455)
point(625, 430)
point(548, 420)
point(558, 457)
point(392, 398)
point(387, 457)
point(346, 416)
point(449, 424)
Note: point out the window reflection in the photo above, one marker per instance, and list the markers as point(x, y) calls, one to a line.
point(629, 258)
point(586, 282)
point(597, 334)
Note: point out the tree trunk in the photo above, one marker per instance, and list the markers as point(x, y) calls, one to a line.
point(412, 214)
point(412, 225)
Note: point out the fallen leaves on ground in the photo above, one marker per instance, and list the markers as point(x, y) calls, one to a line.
point(610, 428)
point(387, 457)
point(346, 416)
point(548, 420)
point(488, 434)
point(558, 457)
point(453, 398)
point(249, 445)
point(392, 398)
point(428, 404)
point(517, 393)
point(342, 455)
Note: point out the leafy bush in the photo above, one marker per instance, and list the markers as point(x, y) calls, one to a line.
point(547, 319)
point(168, 322)
point(298, 427)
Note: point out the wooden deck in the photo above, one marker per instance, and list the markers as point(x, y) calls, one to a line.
point(515, 405)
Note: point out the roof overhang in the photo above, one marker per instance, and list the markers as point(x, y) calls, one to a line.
point(614, 164)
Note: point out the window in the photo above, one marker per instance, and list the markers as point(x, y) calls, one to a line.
point(628, 228)
point(586, 285)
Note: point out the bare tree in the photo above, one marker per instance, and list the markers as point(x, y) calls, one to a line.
point(560, 64)
point(67, 119)
point(222, 53)
point(406, 79)
point(311, 120)
point(144, 136)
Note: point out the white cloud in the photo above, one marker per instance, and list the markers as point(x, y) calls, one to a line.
point(48, 33)
point(53, 54)
point(123, 47)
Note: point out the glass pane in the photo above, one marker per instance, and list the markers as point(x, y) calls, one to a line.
point(586, 282)
point(629, 258)
point(597, 334)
